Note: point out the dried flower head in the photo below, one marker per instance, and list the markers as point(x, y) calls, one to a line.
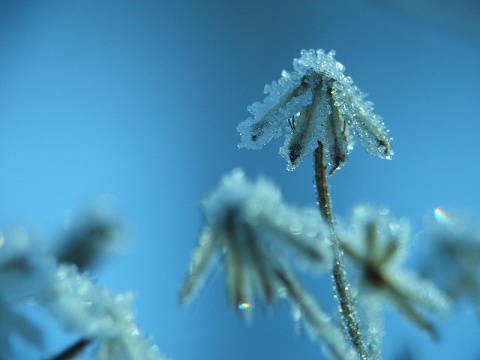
point(376, 243)
point(255, 237)
point(320, 104)
point(251, 229)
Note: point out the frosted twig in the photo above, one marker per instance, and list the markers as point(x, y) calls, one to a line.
point(342, 287)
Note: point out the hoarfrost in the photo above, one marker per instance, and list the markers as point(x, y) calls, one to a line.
point(322, 105)
point(94, 312)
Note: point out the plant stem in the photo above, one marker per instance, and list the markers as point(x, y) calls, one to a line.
point(341, 285)
point(73, 350)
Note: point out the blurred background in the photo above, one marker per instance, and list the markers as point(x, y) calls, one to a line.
point(139, 100)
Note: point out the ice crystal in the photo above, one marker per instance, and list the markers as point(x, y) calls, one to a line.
point(320, 104)
point(376, 243)
point(256, 237)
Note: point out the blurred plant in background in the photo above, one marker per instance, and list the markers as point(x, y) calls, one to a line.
point(451, 255)
point(58, 281)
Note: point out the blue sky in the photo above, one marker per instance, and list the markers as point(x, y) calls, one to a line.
point(140, 100)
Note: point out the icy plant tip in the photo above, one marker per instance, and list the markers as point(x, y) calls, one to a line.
point(315, 103)
point(251, 232)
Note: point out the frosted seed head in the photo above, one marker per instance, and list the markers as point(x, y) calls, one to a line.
point(305, 95)
point(376, 244)
point(253, 233)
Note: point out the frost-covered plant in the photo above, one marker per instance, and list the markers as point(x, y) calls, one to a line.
point(377, 243)
point(322, 107)
point(96, 314)
point(320, 104)
point(255, 237)
point(260, 241)
point(31, 275)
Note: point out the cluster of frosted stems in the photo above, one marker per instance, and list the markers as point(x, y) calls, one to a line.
point(28, 273)
point(319, 104)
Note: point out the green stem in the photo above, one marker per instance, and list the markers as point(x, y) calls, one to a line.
point(342, 287)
